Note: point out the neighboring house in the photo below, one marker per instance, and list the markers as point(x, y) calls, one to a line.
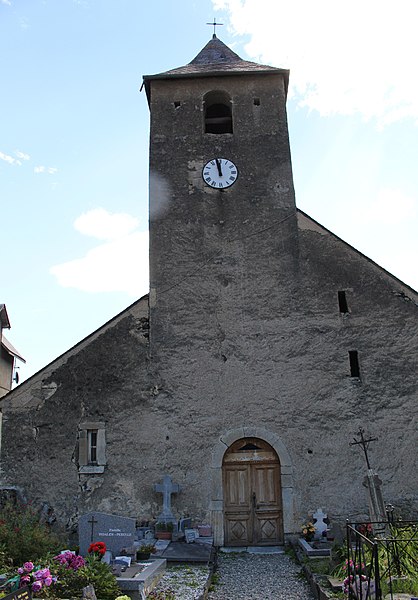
point(8, 356)
point(264, 344)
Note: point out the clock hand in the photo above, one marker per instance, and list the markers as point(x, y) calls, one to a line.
point(218, 164)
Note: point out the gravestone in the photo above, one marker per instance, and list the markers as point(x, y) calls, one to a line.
point(185, 523)
point(191, 535)
point(320, 525)
point(115, 531)
point(166, 488)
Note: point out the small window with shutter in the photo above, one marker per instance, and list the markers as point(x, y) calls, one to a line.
point(91, 447)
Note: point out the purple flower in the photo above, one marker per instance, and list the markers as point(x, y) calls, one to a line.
point(42, 574)
point(48, 581)
point(28, 566)
point(21, 570)
point(24, 580)
point(36, 586)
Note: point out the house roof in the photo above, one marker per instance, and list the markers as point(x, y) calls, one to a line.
point(11, 349)
point(215, 59)
point(4, 319)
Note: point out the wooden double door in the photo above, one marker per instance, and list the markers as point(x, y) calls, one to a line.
point(252, 494)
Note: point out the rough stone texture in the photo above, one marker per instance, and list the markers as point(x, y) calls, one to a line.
point(245, 336)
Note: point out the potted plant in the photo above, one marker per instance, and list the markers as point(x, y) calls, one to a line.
point(163, 531)
point(145, 551)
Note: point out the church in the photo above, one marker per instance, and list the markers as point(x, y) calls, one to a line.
point(264, 344)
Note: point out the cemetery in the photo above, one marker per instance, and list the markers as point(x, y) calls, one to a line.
point(118, 557)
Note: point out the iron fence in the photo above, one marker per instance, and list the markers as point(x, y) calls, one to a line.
point(383, 564)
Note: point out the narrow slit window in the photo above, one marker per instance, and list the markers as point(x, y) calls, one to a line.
point(177, 104)
point(256, 101)
point(342, 302)
point(354, 363)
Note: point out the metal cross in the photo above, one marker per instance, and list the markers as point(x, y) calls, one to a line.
point(215, 24)
point(93, 523)
point(364, 444)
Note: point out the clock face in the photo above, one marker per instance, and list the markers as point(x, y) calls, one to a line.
point(220, 173)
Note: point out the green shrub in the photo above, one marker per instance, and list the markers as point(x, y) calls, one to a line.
point(23, 537)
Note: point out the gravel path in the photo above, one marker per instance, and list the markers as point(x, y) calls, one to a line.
point(243, 576)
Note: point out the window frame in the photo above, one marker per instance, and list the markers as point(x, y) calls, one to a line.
point(92, 447)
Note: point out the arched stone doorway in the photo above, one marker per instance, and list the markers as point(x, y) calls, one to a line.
point(253, 514)
point(221, 446)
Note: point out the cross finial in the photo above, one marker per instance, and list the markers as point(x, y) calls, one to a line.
point(215, 24)
point(364, 444)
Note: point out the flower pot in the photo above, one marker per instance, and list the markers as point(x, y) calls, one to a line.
point(163, 535)
point(143, 555)
point(204, 530)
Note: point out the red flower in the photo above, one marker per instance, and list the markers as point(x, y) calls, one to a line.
point(97, 548)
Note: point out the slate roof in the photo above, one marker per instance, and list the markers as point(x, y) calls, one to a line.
point(215, 59)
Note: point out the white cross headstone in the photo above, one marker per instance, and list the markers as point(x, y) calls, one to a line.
point(320, 526)
point(167, 487)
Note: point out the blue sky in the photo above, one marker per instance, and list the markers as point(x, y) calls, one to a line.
point(74, 140)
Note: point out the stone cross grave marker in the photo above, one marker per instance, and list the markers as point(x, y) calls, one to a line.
point(320, 525)
point(115, 531)
point(374, 487)
point(166, 488)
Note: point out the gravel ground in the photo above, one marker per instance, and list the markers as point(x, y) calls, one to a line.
point(243, 576)
point(187, 582)
point(240, 576)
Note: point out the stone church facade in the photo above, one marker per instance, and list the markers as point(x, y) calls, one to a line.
point(264, 344)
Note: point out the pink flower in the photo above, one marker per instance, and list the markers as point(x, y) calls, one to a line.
point(28, 566)
point(36, 586)
point(48, 581)
point(24, 581)
point(21, 570)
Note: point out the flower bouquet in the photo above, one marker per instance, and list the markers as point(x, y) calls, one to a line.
point(308, 531)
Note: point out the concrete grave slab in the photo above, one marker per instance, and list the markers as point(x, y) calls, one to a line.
point(193, 553)
point(313, 552)
point(138, 580)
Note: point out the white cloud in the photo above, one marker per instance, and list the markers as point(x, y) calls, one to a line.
point(345, 58)
point(101, 224)
point(22, 155)
point(9, 159)
point(7, 2)
point(42, 169)
point(111, 267)
point(119, 265)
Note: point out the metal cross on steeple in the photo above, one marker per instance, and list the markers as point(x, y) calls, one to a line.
point(215, 24)
point(364, 444)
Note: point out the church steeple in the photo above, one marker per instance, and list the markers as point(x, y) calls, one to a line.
point(214, 53)
point(215, 59)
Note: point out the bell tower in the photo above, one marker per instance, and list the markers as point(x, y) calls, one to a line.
point(223, 265)
point(222, 208)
